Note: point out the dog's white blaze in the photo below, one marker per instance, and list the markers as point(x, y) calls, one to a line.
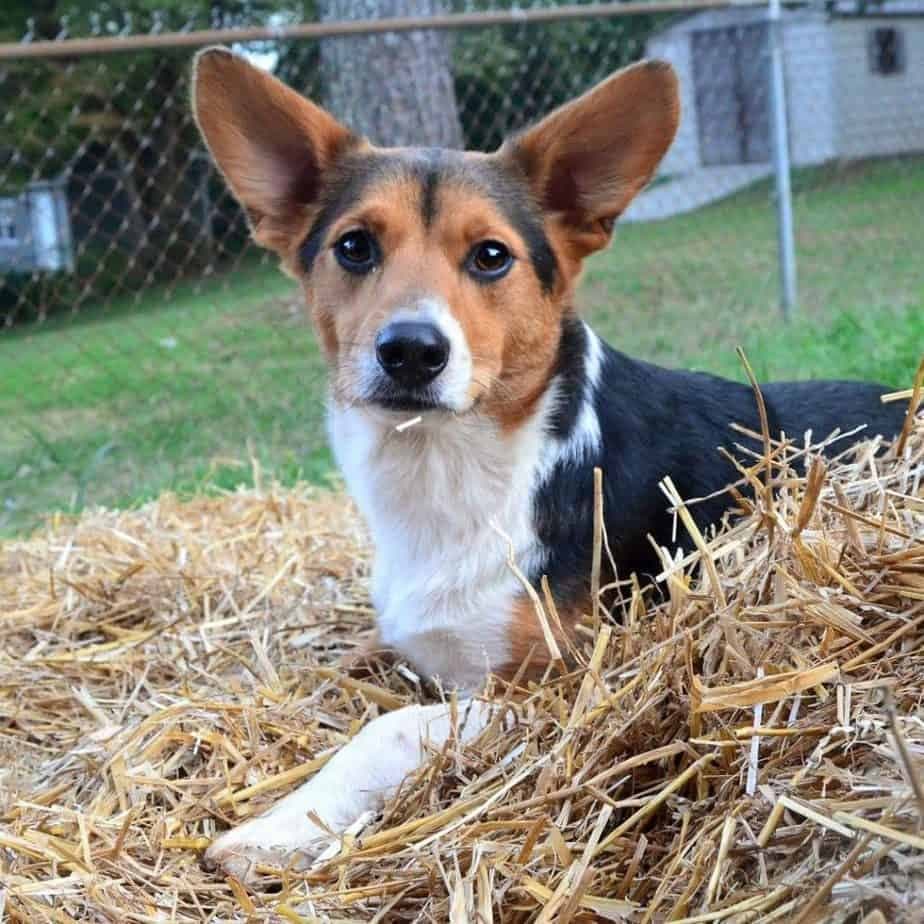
point(584, 439)
point(455, 380)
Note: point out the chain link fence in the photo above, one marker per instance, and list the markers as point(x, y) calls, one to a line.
point(146, 344)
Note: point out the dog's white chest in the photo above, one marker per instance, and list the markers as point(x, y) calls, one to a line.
point(444, 500)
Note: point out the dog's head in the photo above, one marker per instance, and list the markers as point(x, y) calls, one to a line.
point(436, 280)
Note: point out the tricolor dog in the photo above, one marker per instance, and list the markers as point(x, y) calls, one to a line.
point(441, 286)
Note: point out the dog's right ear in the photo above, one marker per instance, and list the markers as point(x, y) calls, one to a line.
point(588, 159)
point(272, 145)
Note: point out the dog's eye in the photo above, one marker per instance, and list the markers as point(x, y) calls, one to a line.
point(489, 260)
point(356, 251)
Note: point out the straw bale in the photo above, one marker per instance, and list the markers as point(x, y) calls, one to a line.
point(744, 744)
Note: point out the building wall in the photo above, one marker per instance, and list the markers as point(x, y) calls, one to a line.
point(877, 114)
point(809, 80)
point(809, 71)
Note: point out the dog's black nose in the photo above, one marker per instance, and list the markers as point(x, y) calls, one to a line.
point(413, 353)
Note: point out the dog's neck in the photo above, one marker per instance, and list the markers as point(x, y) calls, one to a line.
point(445, 500)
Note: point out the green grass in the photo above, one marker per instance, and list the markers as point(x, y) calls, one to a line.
point(177, 390)
point(688, 290)
point(172, 392)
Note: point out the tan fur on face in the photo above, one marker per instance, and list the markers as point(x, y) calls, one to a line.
point(582, 165)
point(348, 310)
point(510, 326)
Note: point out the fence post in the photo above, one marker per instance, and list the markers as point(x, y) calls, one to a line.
point(787, 247)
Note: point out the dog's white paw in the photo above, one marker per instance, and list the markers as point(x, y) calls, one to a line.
point(272, 840)
point(345, 793)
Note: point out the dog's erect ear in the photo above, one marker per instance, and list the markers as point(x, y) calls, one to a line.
point(588, 159)
point(272, 145)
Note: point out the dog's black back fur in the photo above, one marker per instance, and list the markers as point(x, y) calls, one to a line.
point(656, 422)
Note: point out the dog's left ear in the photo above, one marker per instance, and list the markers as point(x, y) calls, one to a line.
point(587, 160)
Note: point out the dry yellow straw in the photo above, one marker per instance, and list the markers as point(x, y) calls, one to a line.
point(167, 671)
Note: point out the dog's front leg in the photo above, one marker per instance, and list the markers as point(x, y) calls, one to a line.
point(358, 778)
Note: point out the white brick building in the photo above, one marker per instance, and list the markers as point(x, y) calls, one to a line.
point(855, 84)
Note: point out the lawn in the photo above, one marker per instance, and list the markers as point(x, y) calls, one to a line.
point(687, 291)
point(189, 389)
point(180, 391)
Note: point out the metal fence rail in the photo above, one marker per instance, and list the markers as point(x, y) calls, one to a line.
point(68, 47)
point(118, 239)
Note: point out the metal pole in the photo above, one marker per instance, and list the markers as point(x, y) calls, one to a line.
point(784, 221)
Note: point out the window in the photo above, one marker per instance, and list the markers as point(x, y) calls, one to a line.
point(8, 236)
point(886, 51)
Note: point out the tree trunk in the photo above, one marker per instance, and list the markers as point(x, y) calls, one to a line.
point(395, 88)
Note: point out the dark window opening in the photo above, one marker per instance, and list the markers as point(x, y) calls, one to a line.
point(7, 228)
point(887, 51)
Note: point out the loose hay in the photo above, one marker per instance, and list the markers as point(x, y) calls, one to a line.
point(747, 748)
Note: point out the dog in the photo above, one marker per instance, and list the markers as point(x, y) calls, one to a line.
point(441, 288)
